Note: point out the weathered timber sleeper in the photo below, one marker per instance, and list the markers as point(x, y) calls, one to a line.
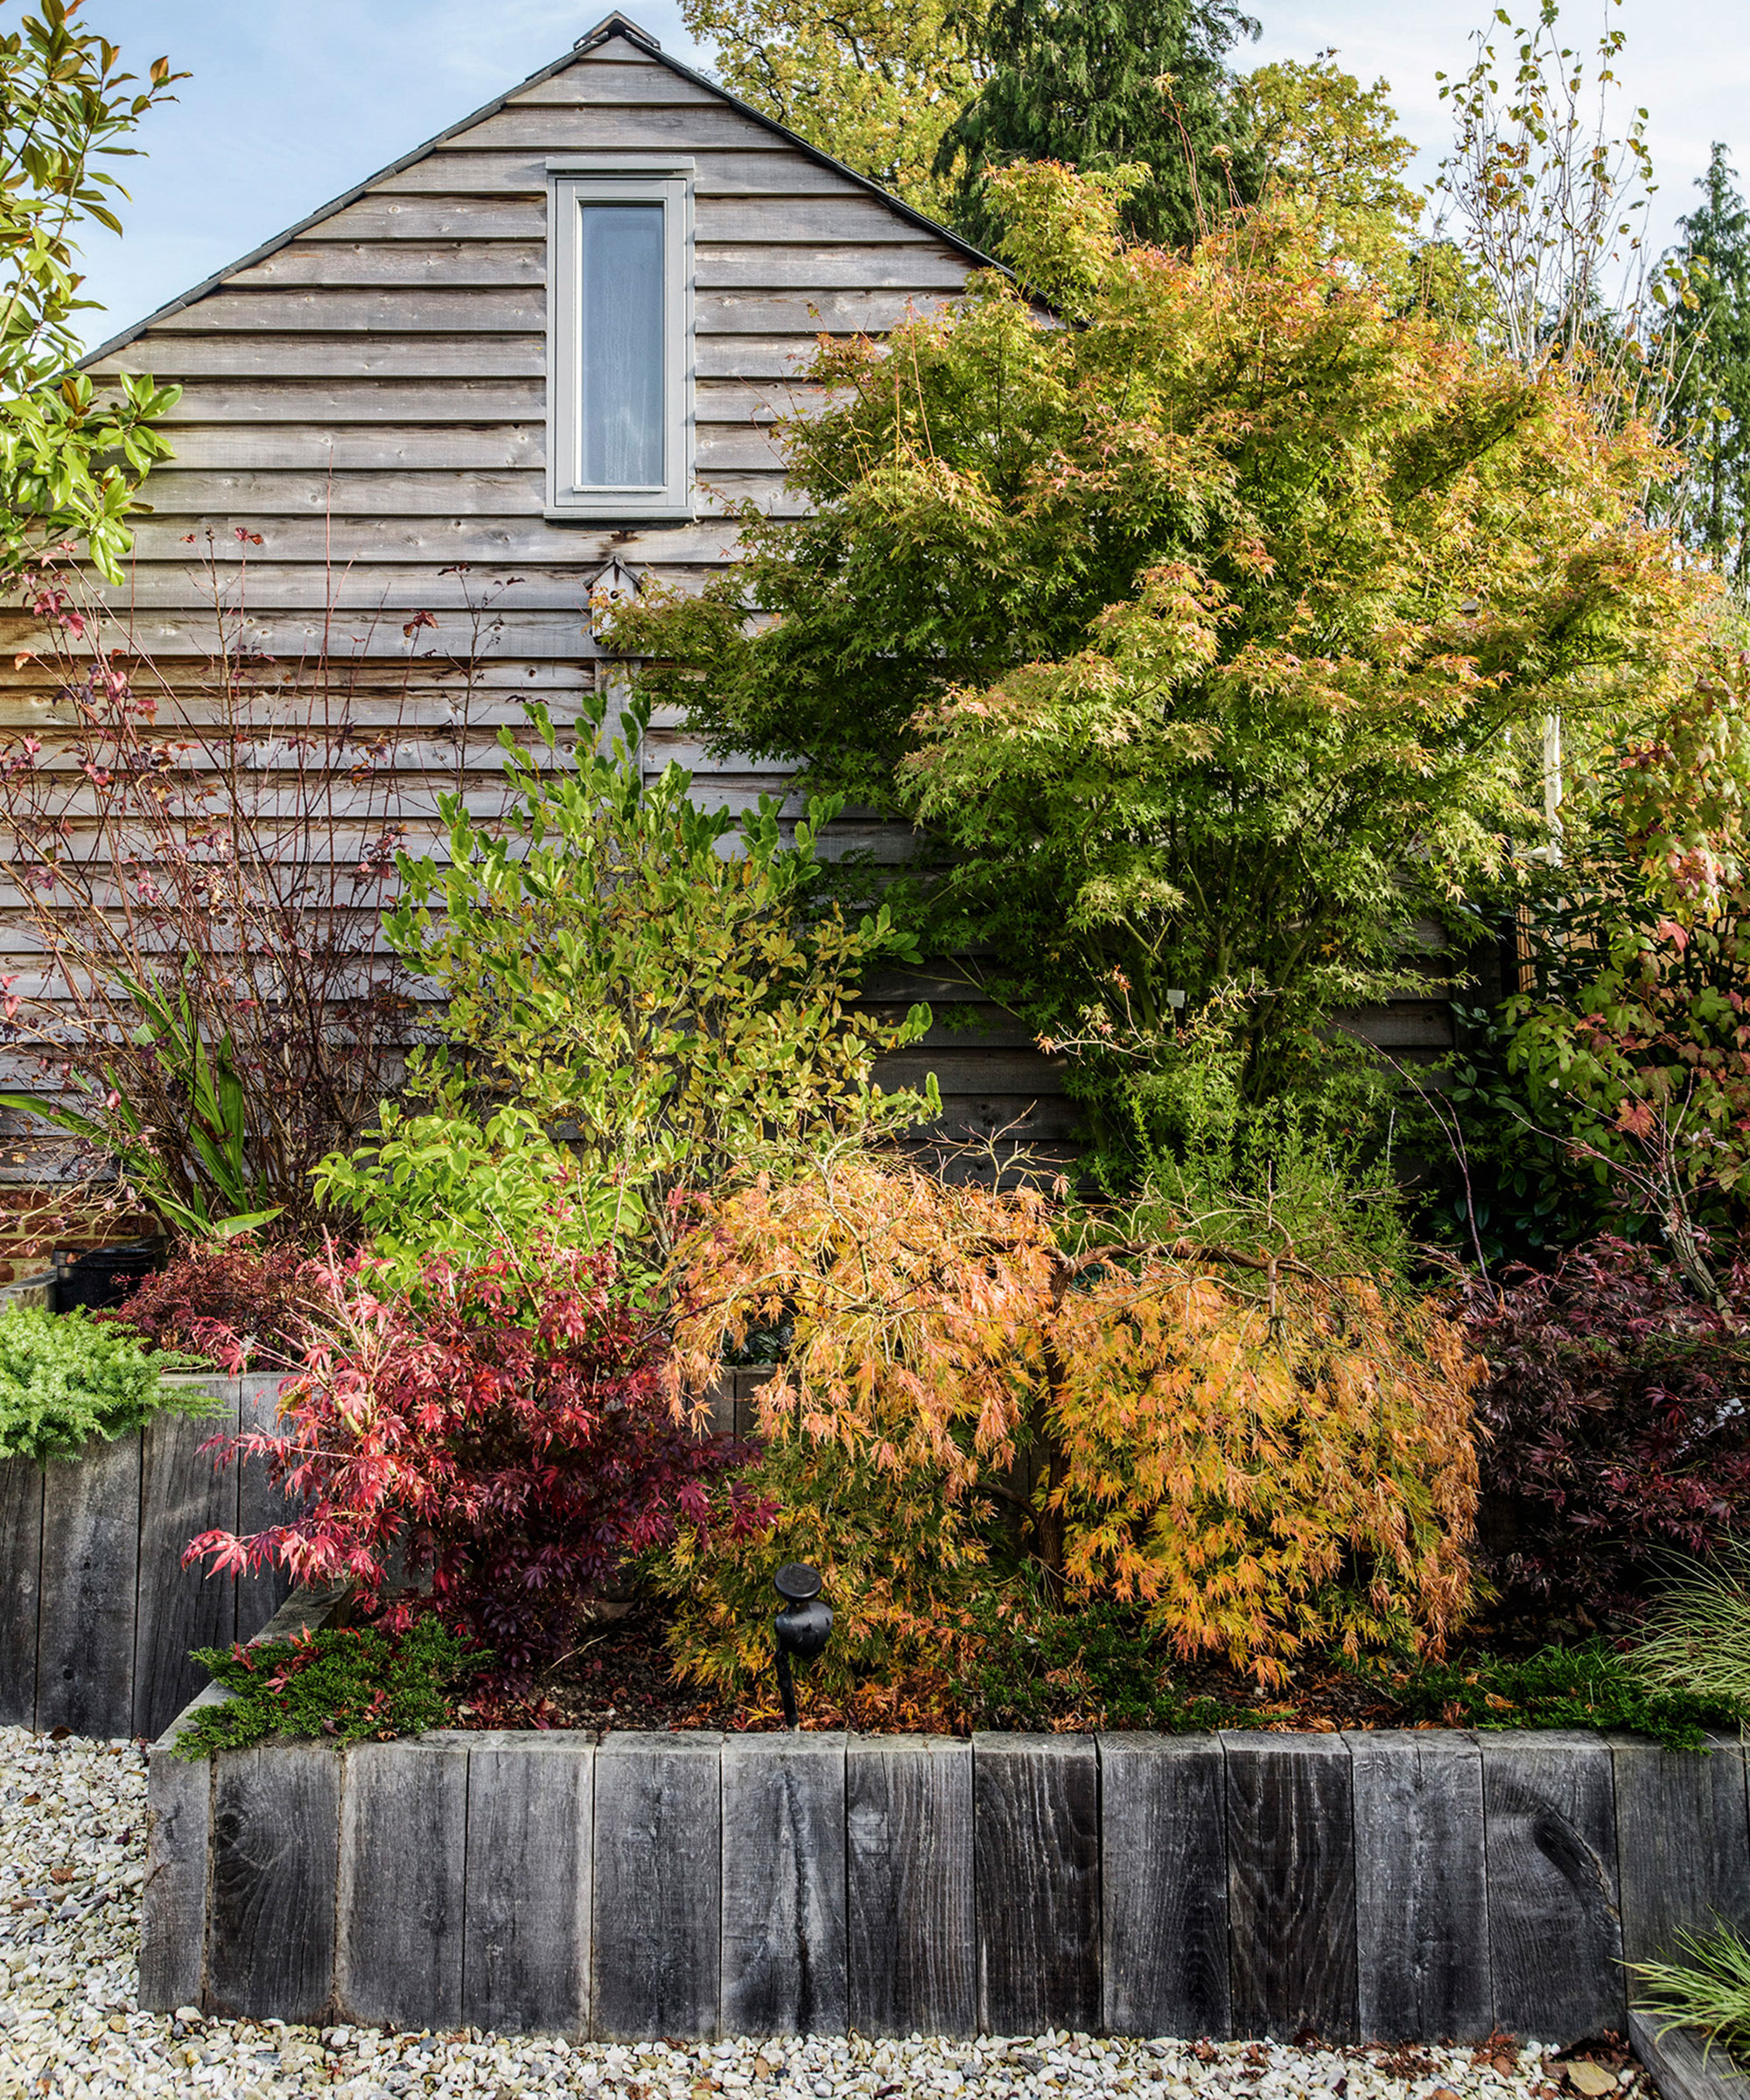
point(97, 1612)
point(1409, 1886)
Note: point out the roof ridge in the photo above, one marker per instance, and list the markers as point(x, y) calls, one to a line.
point(611, 25)
point(616, 24)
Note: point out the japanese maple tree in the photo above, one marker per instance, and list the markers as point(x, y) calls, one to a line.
point(503, 1433)
point(1263, 1454)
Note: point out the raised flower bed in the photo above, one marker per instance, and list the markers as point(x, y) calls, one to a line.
point(1404, 1886)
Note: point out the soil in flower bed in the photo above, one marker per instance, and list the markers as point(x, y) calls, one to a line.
point(1108, 1674)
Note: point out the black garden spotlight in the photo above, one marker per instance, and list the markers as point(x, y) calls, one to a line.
point(800, 1629)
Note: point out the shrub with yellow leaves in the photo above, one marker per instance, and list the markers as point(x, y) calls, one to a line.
point(1264, 1455)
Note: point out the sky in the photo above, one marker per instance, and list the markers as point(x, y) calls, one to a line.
point(293, 101)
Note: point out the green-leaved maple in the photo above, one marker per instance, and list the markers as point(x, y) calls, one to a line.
point(1205, 624)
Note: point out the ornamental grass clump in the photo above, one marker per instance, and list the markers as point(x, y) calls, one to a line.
point(1261, 1455)
point(1697, 1639)
point(500, 1429)
point(1708, 1987)
point(68, 1381)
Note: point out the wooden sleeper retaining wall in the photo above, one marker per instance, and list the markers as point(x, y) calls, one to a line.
point(1392, 1887)
point(97, 1612)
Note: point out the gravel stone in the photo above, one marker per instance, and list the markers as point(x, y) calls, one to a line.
point(72, 1859)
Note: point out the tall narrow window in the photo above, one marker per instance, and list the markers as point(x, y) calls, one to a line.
point(620, 420)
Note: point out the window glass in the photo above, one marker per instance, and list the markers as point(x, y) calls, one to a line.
point(620, 366)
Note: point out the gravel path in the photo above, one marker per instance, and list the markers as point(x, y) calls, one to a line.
point(71, 1854)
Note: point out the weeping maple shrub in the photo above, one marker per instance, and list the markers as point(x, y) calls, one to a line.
point(1263, 1455)
point(499, 1428)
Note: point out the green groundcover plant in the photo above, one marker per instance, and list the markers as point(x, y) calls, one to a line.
point(66, 1380)
point(346, 1685)
point(1035, 1666)
point(1590, 1686)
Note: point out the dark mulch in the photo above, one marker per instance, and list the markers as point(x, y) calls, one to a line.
point(620, 1676)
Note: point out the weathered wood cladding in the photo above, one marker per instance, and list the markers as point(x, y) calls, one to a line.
point(1400, 1886)
point(369, 397)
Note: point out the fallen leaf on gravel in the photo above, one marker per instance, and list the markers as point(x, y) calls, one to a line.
point(1592, 2079)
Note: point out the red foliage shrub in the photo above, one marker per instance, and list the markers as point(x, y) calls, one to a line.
point(239, 1302)
point(501, 1431)
point(1616, 1425)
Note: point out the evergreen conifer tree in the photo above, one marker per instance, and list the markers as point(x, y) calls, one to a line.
point(1100, 84)
point(1713, 358)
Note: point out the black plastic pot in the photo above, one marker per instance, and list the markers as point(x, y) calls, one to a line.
point(105, 1275)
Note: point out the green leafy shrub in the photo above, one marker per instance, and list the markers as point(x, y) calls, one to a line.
point(1591, 1686)
point(675, 991)
point(350, 1685)
point(443, 1181)
point(67, 1379)
point(1208, 642)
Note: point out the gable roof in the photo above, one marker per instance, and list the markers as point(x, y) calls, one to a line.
point(615, 24)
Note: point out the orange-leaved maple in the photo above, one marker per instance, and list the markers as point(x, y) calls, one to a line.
point(1263, 1455)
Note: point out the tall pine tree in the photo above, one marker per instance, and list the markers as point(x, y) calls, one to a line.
point(1713, 357)
point(1098, 84)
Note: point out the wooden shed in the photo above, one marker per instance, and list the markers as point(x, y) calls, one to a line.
point(537, 357)
point(392, 395)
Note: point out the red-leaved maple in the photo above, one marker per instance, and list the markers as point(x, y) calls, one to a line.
point(499, 1431)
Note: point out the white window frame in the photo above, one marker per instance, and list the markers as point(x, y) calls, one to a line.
point(629, 179)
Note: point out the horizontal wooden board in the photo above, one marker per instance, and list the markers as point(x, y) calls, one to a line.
point(454, 171)
point(172, 355)
point(443, 310)
point(479, 405)
point(181, 357)
point(1403, 1025)
point(574, 128)
point(517, 311)
point(381, 214)
point(513, 205)
point(376, 692)
point(749, 264)
point(496, 543)
point(471, 448)
point(292, 630)
point(972, 1072)
point(612, 80)
point(471, 262)
point(824, 313)
point(348, 447)
point(779, 218)
point(555, 564)
point(749, 244)
point(359, 401)
point(179, 492)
